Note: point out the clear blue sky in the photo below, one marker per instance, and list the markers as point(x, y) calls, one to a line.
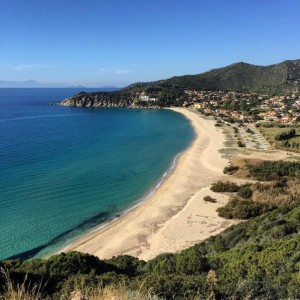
point(116, 42)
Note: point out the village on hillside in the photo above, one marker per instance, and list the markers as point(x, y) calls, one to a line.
point(258, 121)
point(246, 107)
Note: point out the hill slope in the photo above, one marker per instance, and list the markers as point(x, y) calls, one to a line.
point(277, 78)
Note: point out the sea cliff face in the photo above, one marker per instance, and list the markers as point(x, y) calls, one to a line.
point(98, 100)
point(108, 99)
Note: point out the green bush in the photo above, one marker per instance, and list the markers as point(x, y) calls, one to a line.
point(162, 264)
point(245, 192)
point(222, 187)
point(243, 209)
point(190, 262)
point(66, 264)
point(274, 170)
point(126, 264)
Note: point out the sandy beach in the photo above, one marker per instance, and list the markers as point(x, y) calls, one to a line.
point(176, 216)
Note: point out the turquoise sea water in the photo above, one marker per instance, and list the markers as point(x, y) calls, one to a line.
point(66, 170)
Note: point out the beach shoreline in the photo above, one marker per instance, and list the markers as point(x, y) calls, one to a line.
point(175, 216)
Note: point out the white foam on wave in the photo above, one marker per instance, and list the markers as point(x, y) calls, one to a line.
point(162, 179)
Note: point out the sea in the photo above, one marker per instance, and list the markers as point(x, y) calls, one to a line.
point(65, 171)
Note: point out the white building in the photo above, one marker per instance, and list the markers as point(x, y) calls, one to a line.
point(147, 98)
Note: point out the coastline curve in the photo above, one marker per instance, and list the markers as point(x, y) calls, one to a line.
point(175, 216)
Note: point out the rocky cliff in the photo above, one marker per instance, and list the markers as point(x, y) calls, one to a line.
point(101, 99)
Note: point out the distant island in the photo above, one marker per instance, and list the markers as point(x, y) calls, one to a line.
point(38, 84)
point(19, 84)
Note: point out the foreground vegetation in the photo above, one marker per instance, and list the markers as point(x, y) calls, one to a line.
point(259, 259)
point(256, 259)
point(280, 186)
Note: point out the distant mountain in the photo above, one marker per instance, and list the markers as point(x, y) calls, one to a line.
point(28, 84)
point(273, 79)
point(76, 86)
point(36, 84)
point(17, 84)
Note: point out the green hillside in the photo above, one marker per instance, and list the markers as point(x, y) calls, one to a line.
point(277, 78)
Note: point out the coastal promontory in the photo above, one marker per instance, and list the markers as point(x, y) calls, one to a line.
point(277, 79)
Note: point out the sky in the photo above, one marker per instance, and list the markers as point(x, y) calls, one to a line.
point(117, 42)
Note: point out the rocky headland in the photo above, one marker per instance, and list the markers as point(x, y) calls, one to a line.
point(278, 79)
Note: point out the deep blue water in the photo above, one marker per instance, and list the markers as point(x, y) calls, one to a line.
point(66, 170)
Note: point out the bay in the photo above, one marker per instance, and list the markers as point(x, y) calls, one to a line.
point(64, 171)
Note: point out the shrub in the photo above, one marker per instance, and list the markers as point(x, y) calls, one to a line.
point(222, 187)
point(274, 170)
point(190, 262)
point(248, 130)
point(245, 192)
point(209, 199)
point(72, 263)
point(161, 264)
point(240, 144)
point(285, 135)
point(230, 170)
point(126, 264)
point(237, 208)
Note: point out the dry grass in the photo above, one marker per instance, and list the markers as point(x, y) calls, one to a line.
point(26, 291)
point(120, 291)
point(23, 291)
point(241, 163)
point(112, 292)
point(274, 195)
point(270, 196)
